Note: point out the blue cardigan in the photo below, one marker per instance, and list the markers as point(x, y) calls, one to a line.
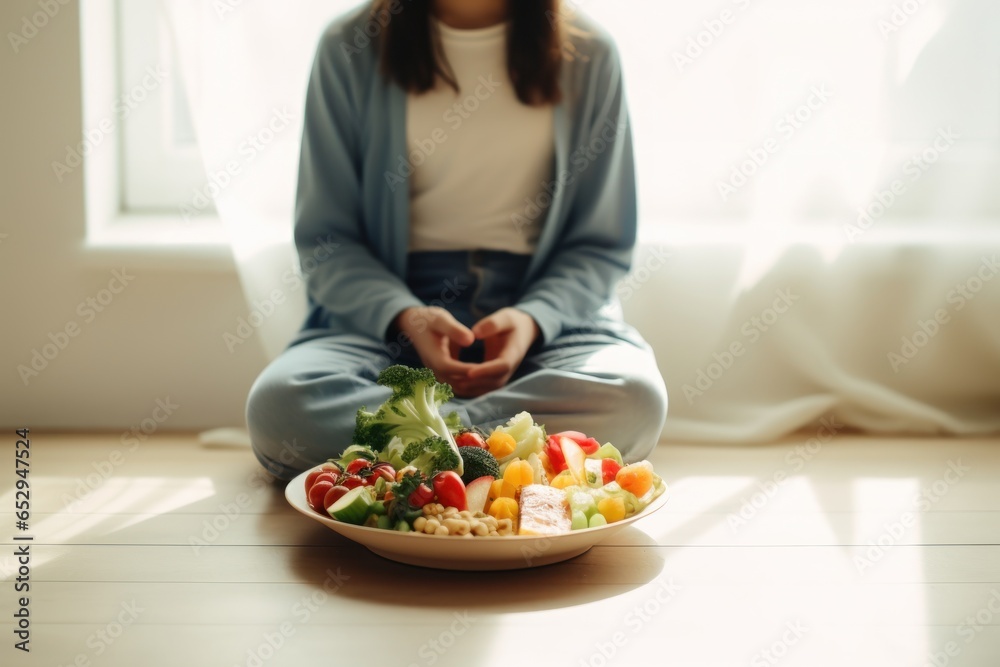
point(349, 196)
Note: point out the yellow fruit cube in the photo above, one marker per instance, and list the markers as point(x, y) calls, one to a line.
point(503, 508)
point(519, 473)
point(501, 444)
point(612, 509)
point(563, 479)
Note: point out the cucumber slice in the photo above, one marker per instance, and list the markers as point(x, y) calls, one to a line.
point(583, 502)
point(353, 506)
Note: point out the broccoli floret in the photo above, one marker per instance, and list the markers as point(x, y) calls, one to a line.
point(431, 455)
point(478, 463)
point(412, 413)
point(370, 430)
point(407, 382)
point(454, 422)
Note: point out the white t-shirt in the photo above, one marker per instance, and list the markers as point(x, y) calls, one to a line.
point(479, 156)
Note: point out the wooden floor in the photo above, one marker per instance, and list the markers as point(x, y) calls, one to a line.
point(183, 555)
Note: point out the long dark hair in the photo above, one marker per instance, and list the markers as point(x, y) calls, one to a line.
point(535, 47)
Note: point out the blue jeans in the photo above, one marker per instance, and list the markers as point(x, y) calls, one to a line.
point(600, 379)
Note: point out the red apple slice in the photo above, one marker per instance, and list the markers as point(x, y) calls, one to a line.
point(575, 459)
point(476, 493)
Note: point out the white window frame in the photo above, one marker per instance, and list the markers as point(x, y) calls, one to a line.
point(155, 237)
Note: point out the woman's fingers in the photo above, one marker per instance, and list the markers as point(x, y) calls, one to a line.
point(477, 387)
point(490, 369)
point(440, 360)
point(494, 324)
point(451, 368)
point(444, 323)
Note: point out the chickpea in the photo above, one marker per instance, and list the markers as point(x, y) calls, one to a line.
point(441, 530)
point(418, 523)
point(456, 526)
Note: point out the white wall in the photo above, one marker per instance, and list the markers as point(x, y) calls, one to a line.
point(160, 337)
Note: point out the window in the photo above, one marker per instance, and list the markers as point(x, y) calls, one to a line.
point(744, 111)
point(161, 167)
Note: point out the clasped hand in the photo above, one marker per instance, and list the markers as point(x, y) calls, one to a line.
point(438, 338)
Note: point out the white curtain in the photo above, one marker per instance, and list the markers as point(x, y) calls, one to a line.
point(819, 192)
point(245, 67)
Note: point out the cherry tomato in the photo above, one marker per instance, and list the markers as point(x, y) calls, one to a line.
point(327, 475)
point(609, 468)
point(470, 439)
point(333, 495)
point(310, 478)
point(450, 490)
point(554, 451)
point(422, 495)
point(357, 464)
point(351, 481)
point(317, 493)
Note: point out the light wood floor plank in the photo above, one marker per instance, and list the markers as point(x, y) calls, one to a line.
point(666, 527)
point(603, 564)
point(757, 540)
point(334, 601)
point(490, 641)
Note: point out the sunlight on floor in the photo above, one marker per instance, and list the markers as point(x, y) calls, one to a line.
point(895, 522)
point(134, 499)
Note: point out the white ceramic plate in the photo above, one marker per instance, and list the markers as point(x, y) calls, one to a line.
point(480, 553)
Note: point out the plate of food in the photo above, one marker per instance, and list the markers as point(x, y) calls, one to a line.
point(419, 487)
